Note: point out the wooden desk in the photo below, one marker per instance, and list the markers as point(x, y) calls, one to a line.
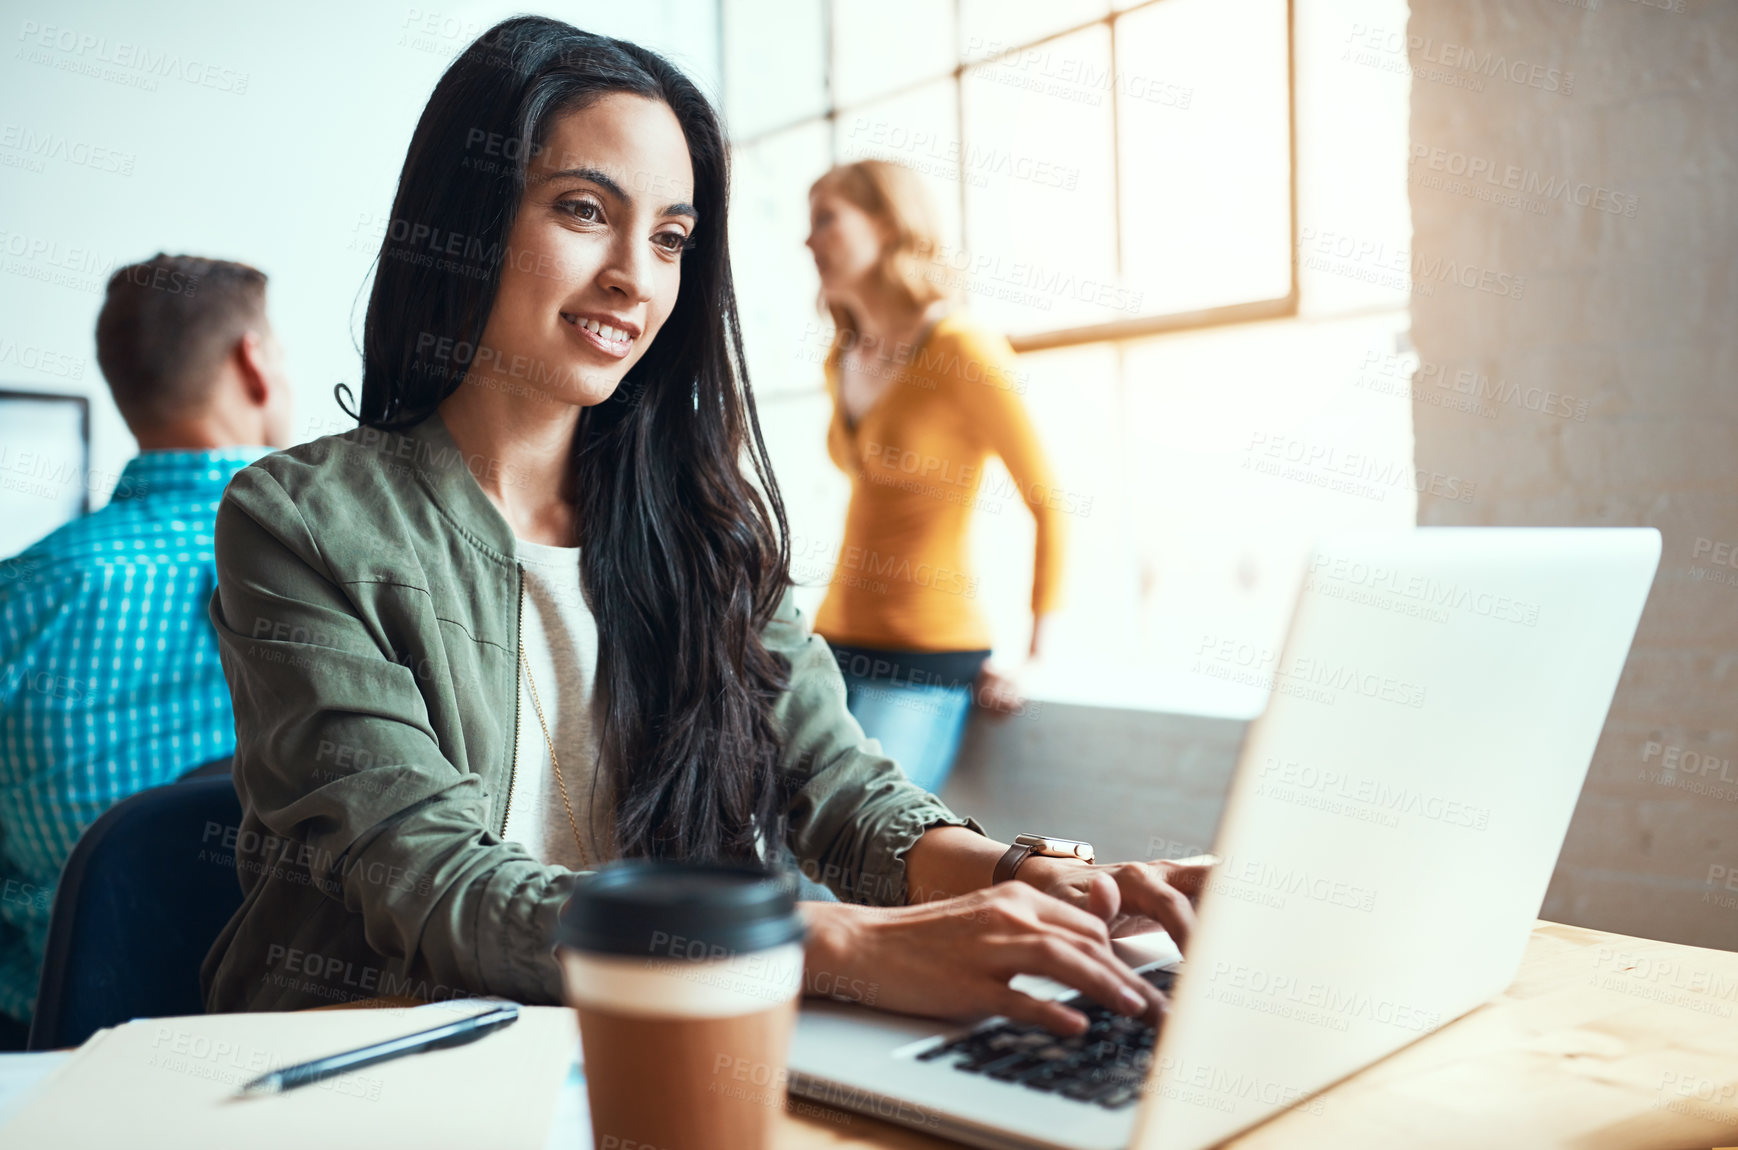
point(1586, 1051)
point(1604, 1042)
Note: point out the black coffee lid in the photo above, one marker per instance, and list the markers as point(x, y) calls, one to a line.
point(663, 909)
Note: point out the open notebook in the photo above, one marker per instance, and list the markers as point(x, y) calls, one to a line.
point(170, 1083)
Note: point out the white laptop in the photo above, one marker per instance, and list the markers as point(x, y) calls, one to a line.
point(1393, 821)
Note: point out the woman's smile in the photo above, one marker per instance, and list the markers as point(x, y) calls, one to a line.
point(610, 337)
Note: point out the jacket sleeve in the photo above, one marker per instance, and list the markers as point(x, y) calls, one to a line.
point(403, 840)
point(854, 813)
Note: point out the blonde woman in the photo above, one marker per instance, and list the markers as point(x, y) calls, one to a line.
point(922, 397)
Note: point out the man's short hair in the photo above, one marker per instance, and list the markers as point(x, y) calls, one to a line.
point(166, 327)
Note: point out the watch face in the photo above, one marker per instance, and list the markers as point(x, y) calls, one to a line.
point(1056, 847)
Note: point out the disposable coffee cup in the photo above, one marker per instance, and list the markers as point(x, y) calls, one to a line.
point(686, 979)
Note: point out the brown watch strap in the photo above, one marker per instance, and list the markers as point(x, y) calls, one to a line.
point(1010, 862)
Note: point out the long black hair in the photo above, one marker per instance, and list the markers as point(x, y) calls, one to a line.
point(685, 553)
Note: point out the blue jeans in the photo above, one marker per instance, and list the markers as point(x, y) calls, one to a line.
point(919, 725)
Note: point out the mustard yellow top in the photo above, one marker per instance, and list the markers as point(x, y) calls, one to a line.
point(903, 580)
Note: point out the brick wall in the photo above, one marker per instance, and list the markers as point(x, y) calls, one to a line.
point(1573, 178)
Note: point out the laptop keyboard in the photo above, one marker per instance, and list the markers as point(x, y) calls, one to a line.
point(1106, 1064)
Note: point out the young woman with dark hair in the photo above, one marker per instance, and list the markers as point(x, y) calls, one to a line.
point(533, 614)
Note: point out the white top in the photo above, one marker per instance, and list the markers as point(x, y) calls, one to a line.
point(559, 635)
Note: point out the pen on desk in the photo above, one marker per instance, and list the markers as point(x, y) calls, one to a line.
point(439, 1038)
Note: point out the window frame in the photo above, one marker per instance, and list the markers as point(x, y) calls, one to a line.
point(1246, 311)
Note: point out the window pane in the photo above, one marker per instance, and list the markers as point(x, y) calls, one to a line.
point(919, 129)
point(1222, 534)
point(1204, 153)
point(881, 45)
point(1354, 241)
point(785, 337)
point(991, 27)
point(1040, 249)
point(775, 63)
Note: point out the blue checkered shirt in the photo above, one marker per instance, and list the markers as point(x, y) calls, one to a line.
point(109, 678)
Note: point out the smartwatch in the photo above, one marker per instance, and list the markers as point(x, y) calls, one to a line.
point(1025, 846)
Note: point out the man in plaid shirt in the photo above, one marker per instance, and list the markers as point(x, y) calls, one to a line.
point(109, 677)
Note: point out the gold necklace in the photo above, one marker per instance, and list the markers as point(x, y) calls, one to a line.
point(573, 823)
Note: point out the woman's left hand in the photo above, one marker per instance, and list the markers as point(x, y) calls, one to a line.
point(1131, 897)
point(998, 691)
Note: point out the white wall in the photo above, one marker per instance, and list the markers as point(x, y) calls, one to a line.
point(271, 134)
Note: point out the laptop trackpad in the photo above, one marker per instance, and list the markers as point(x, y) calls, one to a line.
point(1140, 950)
point(1153, 948)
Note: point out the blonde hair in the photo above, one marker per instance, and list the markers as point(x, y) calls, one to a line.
point(894, 195)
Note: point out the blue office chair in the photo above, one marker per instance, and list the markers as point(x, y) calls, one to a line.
point(142, 898)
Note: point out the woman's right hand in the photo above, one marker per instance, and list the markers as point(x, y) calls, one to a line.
point(953, 957)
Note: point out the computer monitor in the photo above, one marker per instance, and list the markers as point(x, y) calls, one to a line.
point(44, 464)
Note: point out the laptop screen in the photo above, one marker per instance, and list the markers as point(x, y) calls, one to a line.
point(44, 463)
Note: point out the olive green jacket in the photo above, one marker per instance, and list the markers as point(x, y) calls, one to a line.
point(367, 613)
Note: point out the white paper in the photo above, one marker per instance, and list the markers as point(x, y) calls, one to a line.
point(22, 1074)
point(570, 1128)
point(170, 1083)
